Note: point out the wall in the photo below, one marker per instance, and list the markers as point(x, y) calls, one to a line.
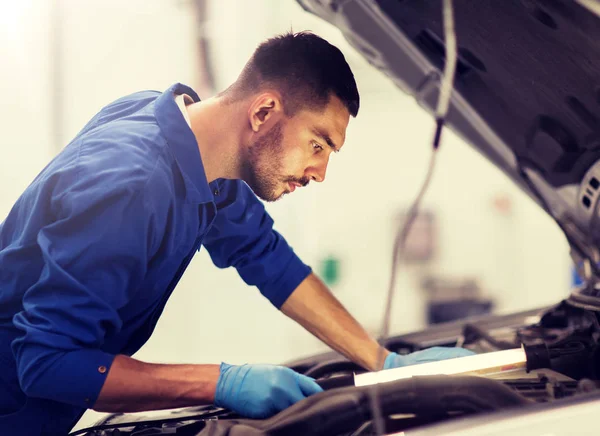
point(25, 81)
point(111, 47)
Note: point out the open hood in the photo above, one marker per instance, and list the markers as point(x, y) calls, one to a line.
point(526, 91)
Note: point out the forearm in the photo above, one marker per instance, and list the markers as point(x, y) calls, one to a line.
point(133, 386)
point(314, 307)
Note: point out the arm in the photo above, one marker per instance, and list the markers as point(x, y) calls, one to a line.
point(133, 386)
point(254, 391)
point(314, 307)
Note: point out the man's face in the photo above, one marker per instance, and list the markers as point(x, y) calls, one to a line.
point(295, 150)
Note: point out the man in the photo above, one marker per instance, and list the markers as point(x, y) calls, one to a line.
point(93, 248)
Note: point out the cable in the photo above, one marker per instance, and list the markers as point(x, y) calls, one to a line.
point(451, 58)
point(399, 247)
point(402, 235)
point(442, 109)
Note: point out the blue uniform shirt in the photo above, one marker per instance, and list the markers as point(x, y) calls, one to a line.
point(93, 248)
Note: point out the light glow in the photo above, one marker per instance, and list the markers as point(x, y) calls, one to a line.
point(478, 364)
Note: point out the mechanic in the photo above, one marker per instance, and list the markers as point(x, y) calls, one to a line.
point(93, 248)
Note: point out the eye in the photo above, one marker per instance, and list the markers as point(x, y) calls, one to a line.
point(317, 146)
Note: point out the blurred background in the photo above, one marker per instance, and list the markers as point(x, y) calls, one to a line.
point(479, 246)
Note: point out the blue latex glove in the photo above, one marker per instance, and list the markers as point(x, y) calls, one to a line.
point(433, 354)
point(261, 391)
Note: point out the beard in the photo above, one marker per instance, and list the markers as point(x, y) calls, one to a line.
point(262, 170)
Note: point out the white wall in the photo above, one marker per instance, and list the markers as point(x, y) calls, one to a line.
point(25, 88)
point(113, 47)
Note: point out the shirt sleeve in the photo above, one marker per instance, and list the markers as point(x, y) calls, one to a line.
point(95, 256)
point(242, 236)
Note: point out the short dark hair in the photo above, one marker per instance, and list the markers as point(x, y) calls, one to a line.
point(304, 68)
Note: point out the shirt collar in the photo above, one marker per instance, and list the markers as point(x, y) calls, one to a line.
point(183, 144)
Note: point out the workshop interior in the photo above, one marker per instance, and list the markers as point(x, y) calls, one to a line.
point(463, 210)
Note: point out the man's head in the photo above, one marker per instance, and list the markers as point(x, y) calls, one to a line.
point(299, 93)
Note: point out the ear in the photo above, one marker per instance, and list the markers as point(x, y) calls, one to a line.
point(265, 108)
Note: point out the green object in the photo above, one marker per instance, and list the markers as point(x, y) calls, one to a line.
point(330, 270)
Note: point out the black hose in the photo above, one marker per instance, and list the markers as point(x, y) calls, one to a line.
point(331, 367)
point(341, 381)
point(472, 332)
point(345, 409)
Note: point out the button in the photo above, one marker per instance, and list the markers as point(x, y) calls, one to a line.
point(216, 192)
point(87, 400)
point(102, 369)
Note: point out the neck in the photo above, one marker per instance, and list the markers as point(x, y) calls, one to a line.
point(218, 131)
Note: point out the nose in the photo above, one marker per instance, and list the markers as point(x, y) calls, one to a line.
point(317, 172)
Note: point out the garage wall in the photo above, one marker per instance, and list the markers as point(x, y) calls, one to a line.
point(111, 48)
point(25, 106)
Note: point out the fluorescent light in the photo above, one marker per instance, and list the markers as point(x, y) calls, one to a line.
point(478, 364)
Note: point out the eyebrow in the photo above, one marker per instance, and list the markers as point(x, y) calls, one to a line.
point(325, 137)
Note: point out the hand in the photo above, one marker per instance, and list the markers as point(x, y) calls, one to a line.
point(432, 354)
point(260, 391)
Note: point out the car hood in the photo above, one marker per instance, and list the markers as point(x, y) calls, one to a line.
point(526, 95)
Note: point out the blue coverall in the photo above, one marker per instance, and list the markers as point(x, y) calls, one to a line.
point(93, 248)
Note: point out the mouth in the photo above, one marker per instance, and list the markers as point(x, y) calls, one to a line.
point(293, 186)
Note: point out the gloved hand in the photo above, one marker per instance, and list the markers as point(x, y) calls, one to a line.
point(433, 354)
point(260, 391)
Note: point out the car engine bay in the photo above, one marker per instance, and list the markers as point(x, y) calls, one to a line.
point(562, 344)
